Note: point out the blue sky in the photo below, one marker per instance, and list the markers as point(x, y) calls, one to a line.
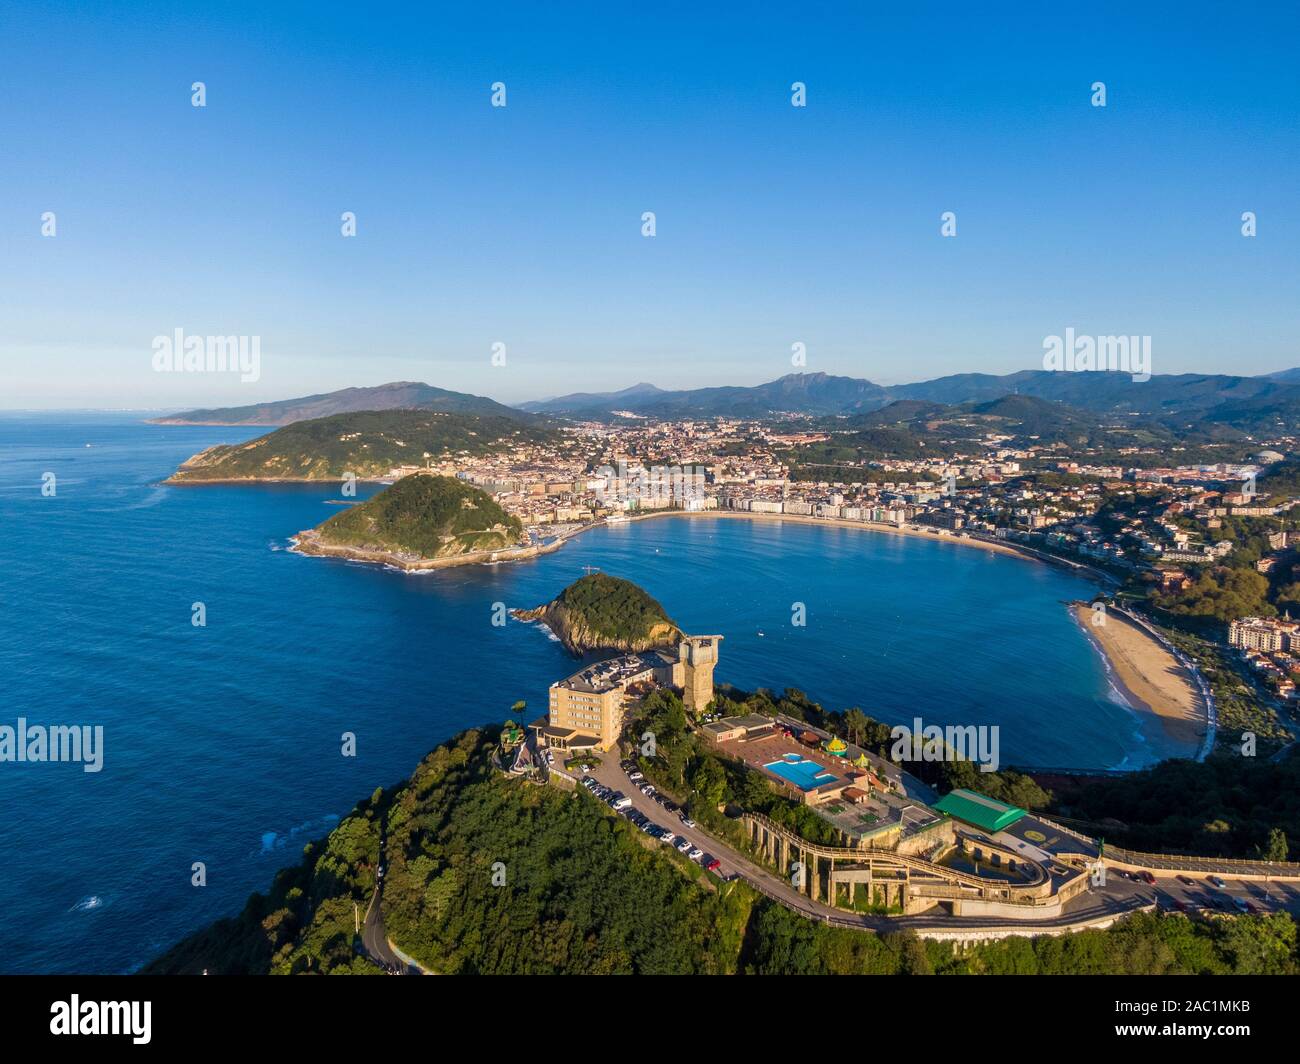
point(522, 224)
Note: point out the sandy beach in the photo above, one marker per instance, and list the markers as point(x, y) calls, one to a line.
point(831, 522)
point(1148, 676)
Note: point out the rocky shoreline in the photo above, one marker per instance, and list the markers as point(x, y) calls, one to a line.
point(578, 638)
point(309, 542)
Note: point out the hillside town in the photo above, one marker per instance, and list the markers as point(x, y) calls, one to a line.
point(1144, 521)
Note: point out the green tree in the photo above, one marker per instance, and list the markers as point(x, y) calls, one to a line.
point(856, 724)
point(1276, 848)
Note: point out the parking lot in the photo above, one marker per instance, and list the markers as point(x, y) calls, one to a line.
point(1191, 892)
point(655, 814)
point(1196, 894)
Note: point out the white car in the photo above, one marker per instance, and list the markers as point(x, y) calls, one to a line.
point(634, 776)
point(688, 822)
point(683, 845)
point(668, 837)
point(695, 854)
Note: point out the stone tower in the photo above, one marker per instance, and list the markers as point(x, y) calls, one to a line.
point(698, 654)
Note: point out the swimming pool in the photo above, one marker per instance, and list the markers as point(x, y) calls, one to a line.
point(803, 774)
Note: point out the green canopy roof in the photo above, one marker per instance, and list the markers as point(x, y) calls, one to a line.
point(978, 810)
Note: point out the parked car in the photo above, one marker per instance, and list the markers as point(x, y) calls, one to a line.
point(668, 837)
point(1187, 881)
point(713, 865)
point(634, 776)
point(683, 845)
point(620, 800)
point(1216, 881)
point(1147, 878)
point(695, 854)
point(688, 821)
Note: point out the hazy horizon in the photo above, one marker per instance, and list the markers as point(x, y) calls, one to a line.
point(521, 225)
point(177, 407)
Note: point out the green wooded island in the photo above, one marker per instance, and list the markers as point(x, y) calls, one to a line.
point(602, 612)
point(420, 518)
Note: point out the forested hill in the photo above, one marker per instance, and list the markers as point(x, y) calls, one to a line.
point(425, 516)
point(603, 612)
point(585, 892)
point(367, 444)
point(399, 395)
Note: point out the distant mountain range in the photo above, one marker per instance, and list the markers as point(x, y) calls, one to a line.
point(798, 393)
point(400, 395)
point(1251, 404)
point(1248, 404)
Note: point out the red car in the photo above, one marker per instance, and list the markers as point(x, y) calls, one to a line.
point(1147, 878)
point(713, 865)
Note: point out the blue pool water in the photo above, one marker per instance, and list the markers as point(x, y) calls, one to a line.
point(803, 774)
point(222, 743)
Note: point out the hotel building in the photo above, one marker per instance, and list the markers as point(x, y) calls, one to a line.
point(589, 708)
point(1263, 634)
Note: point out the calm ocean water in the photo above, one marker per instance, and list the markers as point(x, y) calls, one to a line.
point(222, 744)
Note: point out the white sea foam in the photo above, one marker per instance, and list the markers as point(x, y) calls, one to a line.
point(87, 904)
point(274, 840)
